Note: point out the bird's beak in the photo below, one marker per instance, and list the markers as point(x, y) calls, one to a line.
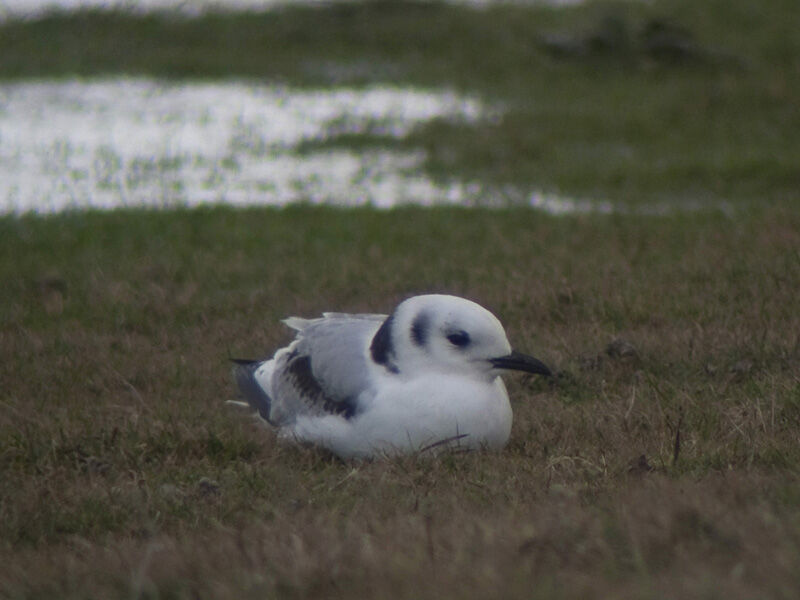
point(517, 361)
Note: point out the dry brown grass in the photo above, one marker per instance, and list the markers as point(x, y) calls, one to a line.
point(125, 475)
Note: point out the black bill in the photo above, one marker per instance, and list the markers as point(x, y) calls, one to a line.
point(517, 361)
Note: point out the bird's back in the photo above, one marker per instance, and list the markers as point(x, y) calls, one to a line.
point(324, 371)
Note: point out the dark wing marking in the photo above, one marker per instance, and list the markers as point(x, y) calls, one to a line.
point(244, 373)
point(299, 374)
point(300, 392)
point(338, 350)
point(326, 369)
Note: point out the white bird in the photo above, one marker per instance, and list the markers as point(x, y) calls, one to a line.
point(364, 385)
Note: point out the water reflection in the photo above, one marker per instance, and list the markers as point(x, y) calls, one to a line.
point(144, 143)
point(139, 142)
point(32, 8)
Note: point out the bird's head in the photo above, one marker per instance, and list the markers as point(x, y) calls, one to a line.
point(448, 334)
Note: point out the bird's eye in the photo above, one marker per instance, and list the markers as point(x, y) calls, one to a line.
point(459, 338)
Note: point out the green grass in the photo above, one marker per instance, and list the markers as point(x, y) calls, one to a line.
point(620, 119)
point(125, 475)
point(662, 462)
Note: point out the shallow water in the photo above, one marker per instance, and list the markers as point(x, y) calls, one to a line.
point(137, 142)
point(141, 142)
point(32, 8)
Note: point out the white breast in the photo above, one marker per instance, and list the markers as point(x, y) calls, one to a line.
point(408, 416)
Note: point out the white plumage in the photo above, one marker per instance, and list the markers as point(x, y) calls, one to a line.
point(426, 376)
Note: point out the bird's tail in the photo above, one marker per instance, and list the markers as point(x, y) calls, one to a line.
point(244, 371)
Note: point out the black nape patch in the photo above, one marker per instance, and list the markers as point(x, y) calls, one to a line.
point(420, 329)
point(381, 349)
point(299, 369)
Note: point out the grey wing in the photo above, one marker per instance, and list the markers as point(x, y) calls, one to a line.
point(326, 369)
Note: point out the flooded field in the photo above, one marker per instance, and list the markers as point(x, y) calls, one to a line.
point(15, 8)
point(141, 142)
point(643, 108)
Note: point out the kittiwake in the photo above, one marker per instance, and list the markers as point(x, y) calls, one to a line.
point(366, 385)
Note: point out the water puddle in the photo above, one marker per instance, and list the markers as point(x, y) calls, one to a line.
point(147, 143)
point(34, 8)
point(140, 142)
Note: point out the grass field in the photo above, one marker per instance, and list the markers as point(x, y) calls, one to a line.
point(663, 461)
point(125, 474)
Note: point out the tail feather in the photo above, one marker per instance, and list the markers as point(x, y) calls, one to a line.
point(244, 371)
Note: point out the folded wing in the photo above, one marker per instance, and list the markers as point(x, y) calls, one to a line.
point(325, 371)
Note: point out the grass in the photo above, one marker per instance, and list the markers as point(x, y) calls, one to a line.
point(125, 475)
point(662, 462)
